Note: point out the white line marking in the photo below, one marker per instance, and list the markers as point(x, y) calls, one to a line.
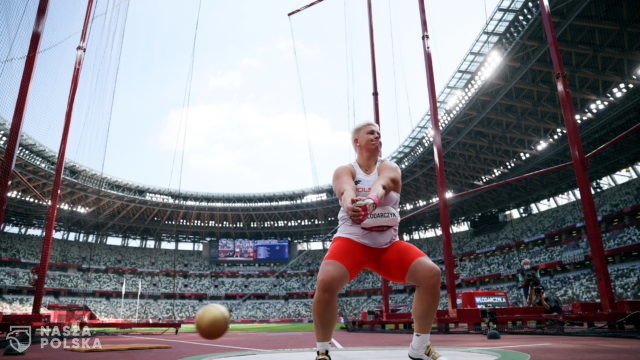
point(510, 346)
point(195, 343)
point(336, 343)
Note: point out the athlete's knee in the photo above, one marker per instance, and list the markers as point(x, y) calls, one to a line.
point(326, 287)
point(330, 281)
point(434, 269)
point(432, 273)
point(425, 273)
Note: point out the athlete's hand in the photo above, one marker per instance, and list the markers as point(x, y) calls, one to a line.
point(359, 213)
point(365, 206)
point(347, 205)
point(355, 214)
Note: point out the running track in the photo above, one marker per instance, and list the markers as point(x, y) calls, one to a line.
point(190, 344)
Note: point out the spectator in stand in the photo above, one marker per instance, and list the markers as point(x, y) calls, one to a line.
point(528, 278)
point(538, 297)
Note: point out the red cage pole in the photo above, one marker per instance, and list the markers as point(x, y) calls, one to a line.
point(57, 180)
point(580, 164)
point(445, 223)
point(374, 76)
point(376, 117)
point(6, 168)
point(304, 7)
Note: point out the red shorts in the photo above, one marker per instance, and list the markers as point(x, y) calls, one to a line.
point(391, 262)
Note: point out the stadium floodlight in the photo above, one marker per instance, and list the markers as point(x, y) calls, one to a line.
point(493, 59)
point(543, 144)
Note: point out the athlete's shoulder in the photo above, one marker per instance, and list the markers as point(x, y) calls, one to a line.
point(346, 168)
point(386, 164)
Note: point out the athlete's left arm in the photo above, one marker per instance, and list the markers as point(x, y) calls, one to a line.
point(389, 179)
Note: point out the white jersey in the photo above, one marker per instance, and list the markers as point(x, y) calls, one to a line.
point(351, 230)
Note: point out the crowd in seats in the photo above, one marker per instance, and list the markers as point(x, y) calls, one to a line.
point(91, 254)
point(569, 287)
point(154, 283)
point(77, 252)
point(607, 202)
point(627, 281)
point(624, 237)
point(581, 285)
point(309, 259)
point(578, 285)
point(509, 261)
point(618, 197)
point(14, 277)
point(20, 304)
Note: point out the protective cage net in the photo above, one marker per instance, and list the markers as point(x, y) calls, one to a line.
point(599, 50)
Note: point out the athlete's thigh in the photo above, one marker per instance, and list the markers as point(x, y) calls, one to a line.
point(394, 262)
point(350, 253)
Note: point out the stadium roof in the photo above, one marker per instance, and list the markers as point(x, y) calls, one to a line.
point(500, 116)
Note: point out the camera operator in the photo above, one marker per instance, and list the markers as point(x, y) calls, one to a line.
point(538, 297)
point(528, 278)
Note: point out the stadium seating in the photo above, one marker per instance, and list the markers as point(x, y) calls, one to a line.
point(160, 271)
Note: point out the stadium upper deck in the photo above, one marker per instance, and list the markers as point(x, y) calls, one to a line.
point(500, 118)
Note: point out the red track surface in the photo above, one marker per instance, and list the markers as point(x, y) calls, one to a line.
point(190, 344)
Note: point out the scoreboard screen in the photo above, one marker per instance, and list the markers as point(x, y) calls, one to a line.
point(253, 250)
point(491, 301)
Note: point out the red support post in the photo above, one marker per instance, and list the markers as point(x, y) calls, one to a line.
point(376, 107)
point(6, 168)
point(386, 289)
point(445, 223)
point(580, 164)
point(57, 180)
point(376, 118)
point(304, 7)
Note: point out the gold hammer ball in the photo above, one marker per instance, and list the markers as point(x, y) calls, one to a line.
point(212, 321)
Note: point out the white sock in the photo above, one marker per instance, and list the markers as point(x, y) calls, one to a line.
point(419, 342)
point(325, 345)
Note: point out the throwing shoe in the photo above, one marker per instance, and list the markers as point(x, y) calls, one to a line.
point(323, 355)
point(429, 354)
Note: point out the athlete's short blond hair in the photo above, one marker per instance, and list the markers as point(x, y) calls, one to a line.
point(356, 131)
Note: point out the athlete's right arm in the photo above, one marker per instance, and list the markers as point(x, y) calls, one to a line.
point(345, 189)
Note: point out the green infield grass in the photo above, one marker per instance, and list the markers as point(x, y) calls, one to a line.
point(234, 327)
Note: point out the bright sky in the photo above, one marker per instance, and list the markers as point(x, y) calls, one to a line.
point(245, 126)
